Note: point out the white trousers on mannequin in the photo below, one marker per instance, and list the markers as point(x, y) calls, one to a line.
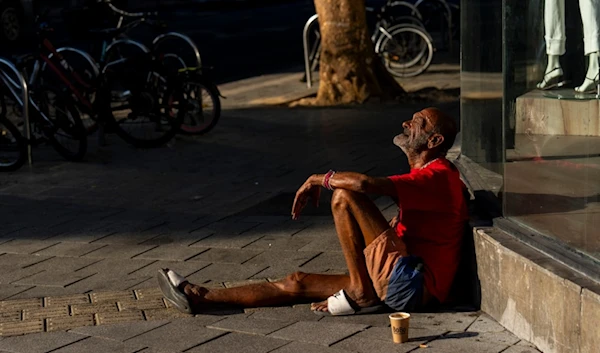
point(554, 24)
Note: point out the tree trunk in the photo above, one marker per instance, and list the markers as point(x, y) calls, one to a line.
point(350, 71)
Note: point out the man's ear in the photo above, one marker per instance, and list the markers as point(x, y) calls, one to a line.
point(434, 141)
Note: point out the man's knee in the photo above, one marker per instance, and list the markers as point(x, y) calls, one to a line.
point(292, 283)
point(342, 198)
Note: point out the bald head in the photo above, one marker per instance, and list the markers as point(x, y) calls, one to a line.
point(442, 124)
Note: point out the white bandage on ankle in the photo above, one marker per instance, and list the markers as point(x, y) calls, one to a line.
point(175, 278)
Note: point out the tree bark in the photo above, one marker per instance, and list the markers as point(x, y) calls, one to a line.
point(350, 71)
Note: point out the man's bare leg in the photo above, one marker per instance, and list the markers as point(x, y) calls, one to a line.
point(358, 222)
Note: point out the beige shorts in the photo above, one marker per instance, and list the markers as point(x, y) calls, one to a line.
point(381, 257)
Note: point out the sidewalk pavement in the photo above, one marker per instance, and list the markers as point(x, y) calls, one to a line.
point(81, 244)
point(283, 88)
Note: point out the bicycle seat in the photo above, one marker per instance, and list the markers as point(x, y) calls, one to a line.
point(107, 33)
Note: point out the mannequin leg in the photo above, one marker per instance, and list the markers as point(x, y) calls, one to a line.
point(554, 26)
point(590, 17)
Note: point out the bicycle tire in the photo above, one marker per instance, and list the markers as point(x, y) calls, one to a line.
point(423, 65)
point(69, 122)
point(145, 99)
point(213, 95)
point(17, 143)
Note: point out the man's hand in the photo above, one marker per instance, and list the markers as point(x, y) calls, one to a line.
point(310, 189)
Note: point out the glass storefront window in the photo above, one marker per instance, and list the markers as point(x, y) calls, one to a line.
point(551, 116)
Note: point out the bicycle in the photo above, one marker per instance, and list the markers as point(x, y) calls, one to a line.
point(54, 118)
point(202, 94)
point(124, 92)
point(406, 49)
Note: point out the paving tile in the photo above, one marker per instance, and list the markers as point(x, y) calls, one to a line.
point(329, 243)
point(376, 320)
point(484, 323)
point(226, 256)
point(289, 257)
point(299, 347)
point(69, 322)
point(461, 342)
point(317, 332)
point(52, 279)
point(250, 326)
point(42, 313)
point(108, 266)
point(25, 246)
point(39, 342)
point(104, 318)
point(83, 309)
point(64, 264)
point(285, 313)
point(148, 293)
point(127, 238)
point(156, 303)
point(236, 342)
point(13, 274)
point(86, 233)
point(69, 249)
point(183, 268)
point(119, 332)
point(165, 314)
point(20, 304)
point(119, 251)
point(324, 262)
point(418, 335)
point(100, 345)
point(365, 345)
point(21, 327)
point(227, 240)
point(177, 336)
point(171, 252)
point(9, 290)
point(41, 291)
point(71, 299)
point(521, 349)
point(220, 273)
point(106, 282)
point(9, 316)
point(99, 297)
point(277, 271)
point(183, 238)
point(270, 242)
point(450, 321)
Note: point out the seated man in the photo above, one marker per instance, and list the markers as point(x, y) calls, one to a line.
point(405, 264)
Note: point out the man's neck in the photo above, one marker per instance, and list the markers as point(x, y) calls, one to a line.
point(421, 160)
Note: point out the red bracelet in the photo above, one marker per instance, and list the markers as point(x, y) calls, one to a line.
point(327, 178)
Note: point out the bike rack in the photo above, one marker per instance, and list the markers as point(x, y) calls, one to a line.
point(187, 39)
point(24, 98)
point(307, 26)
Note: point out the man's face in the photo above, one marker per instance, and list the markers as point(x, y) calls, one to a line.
point(416, 133)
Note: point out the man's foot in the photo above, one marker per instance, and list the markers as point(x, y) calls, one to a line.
point(356, 304)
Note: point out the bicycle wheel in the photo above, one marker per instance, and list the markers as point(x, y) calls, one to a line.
point(406, 52)
point(13, 147)
point(64, 128)
point(148, 111)
point(85, 76)
point(203, 106)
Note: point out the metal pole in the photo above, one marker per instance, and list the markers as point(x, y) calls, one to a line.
point(25, 106)
point(310, 21)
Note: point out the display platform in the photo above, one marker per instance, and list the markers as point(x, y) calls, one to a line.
point(558, 112)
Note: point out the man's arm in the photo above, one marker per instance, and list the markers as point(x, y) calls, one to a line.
point(342, 180)
point(357, 182)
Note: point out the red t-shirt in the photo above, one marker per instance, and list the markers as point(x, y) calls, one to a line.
point(431, 219)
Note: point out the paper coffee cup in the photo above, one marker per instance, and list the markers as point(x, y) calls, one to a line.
point(399, 323)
